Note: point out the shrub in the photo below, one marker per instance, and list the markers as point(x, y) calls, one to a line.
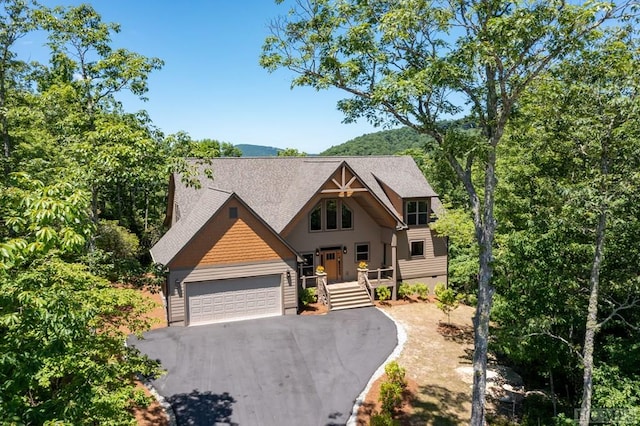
point(383, 293)
point(390, 397)
point(116, 239)
point(447, 300)
point(422, 290)
point(308, 295)
point(405, 290)
point(395, 374)
point(383, 419)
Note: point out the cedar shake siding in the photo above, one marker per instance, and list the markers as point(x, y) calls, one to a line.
point(226, 240)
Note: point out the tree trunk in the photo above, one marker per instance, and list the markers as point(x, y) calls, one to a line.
point(592, 323)
point(485, 232)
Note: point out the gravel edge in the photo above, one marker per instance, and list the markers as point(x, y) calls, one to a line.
point(401, 336)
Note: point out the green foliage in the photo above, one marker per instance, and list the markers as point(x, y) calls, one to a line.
point(390, 397)
point(117, 240)
point(447, 298)
point(291, 152)
point(63, 357)
point(422, 290)
point(40, 219)
point(395, 374)
point(383, 419)
point(383, 293)
point(406, 290)
point(386, 142)
point(308, 295)
point(457, 225)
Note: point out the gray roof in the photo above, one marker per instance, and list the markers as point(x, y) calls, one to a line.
point(277, 188)
point(209, 202)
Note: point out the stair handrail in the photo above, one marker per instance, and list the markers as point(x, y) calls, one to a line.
point(368, 287)
point(323, 290)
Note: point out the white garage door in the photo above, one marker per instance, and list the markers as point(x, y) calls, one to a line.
point(234, 299)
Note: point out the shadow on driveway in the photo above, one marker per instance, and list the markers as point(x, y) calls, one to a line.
point(288, 370)
point(202, 408)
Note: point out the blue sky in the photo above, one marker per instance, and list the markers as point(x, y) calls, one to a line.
point(211, 85)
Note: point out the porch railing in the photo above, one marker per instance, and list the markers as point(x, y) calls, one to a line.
point(381, 274)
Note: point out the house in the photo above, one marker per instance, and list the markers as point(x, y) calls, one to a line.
point(250, 234)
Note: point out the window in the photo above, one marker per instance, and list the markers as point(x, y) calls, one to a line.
point(306, 269)
point(347, 217)
point(233, 212)
point(362, 252)
point(331, 214)
point(417, 212)
point(417, 248)
point(315, 219)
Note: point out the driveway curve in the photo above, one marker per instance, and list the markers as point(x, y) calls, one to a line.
point(289, 370)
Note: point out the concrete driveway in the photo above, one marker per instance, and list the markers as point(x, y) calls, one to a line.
point(289, 370)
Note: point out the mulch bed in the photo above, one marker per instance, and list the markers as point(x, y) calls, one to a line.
point(371, 405)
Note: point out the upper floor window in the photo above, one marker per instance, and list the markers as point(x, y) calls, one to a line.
point(417, 212)
point(347, 217)
point(315, 218)
point(331, 209)
point(330, 215)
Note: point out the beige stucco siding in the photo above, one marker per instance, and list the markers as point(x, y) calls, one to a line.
point(434, 262)
point(178, 279)
point(226, 240)
point(365, 230)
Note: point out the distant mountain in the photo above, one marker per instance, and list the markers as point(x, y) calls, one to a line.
point(257, 150)
point(386, 142)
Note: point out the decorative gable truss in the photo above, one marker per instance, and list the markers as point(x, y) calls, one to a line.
point(346, 183)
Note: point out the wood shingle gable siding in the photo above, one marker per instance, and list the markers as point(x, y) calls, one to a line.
point(224, 240)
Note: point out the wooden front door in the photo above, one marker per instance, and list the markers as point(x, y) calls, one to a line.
point(332, 262)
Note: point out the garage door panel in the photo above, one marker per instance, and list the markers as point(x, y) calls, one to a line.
point(235, 299)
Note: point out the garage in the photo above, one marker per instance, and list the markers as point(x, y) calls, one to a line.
point(233, 299)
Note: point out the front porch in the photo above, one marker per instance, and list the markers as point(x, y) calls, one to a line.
point(351, 294)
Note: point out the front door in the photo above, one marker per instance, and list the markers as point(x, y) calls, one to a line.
point(332, 262)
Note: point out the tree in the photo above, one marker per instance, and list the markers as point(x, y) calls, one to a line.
point(447, 300)
point(291, 152)
point(400, 65)
point(15, 21)
point(85, 66)
point(576, 140)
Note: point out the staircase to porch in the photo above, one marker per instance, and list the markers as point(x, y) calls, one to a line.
point(348, 295)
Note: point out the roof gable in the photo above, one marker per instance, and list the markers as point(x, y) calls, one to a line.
point(187, 232)
point(278, 188)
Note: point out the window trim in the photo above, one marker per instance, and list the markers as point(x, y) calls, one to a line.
point(417, 256)
point(322, 204)
point(356, 252)
point(418, 212)
point(310, 265)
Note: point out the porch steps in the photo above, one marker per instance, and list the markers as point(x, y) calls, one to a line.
point(348, 296)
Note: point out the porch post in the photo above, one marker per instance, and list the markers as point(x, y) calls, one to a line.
point(394, 264)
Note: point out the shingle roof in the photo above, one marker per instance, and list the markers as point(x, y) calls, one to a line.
point(209, 202)
point(277, 188)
